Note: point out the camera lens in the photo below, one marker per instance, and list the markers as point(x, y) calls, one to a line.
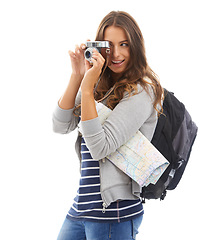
point(88, 54)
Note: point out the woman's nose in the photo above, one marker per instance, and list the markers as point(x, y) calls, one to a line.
point(115, 52)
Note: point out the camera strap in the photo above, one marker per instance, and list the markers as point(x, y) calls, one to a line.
point(106, 64)
point(107, 94)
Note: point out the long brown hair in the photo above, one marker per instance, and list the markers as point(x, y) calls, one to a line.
point(138, 70)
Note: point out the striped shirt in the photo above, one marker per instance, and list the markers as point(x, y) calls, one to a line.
point(88, 204)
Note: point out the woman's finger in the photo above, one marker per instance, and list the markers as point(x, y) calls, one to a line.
point(77, 49)
point(88, 65)
point(98, 57)
point(71, 54)
point(82, 46)
point(96, 53)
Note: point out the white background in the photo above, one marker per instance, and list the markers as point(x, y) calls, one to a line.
point(39, 169)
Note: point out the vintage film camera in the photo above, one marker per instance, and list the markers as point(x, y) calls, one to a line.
point(102, 47)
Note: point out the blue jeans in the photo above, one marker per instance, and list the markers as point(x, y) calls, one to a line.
point(86, 230)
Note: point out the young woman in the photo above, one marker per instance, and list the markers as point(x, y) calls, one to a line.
point(107, 205)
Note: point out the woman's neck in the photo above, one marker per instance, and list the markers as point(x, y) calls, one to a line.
point(116, 76)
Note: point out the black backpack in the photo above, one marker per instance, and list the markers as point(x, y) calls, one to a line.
point(173, 137)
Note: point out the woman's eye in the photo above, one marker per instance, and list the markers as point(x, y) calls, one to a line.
point(124, 45)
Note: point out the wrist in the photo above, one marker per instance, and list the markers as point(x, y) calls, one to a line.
point(77, 76)
point(87, 86)
point(87, 92)
point(88, 106)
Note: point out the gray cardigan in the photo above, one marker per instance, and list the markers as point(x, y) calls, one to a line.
point(130, 115)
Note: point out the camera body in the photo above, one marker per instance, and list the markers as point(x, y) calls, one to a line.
point(102, 47)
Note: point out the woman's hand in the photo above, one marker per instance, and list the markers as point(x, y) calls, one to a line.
point(67, 101)
point(92, 71)
point(78, 61)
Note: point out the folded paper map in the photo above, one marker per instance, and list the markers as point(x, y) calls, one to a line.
point(138, 158)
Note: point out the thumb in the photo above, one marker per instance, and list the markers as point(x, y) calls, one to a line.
point(88, 65)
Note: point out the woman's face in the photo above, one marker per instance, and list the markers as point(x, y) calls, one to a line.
point(120, 49)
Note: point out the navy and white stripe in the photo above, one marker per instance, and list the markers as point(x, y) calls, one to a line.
point(88, 204)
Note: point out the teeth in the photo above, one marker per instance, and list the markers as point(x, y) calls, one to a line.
point(116, 61)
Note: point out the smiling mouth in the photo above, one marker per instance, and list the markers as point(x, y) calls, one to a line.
point(117, 62)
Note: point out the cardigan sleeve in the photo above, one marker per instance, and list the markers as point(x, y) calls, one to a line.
point(125, 120)
point(64, 121)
